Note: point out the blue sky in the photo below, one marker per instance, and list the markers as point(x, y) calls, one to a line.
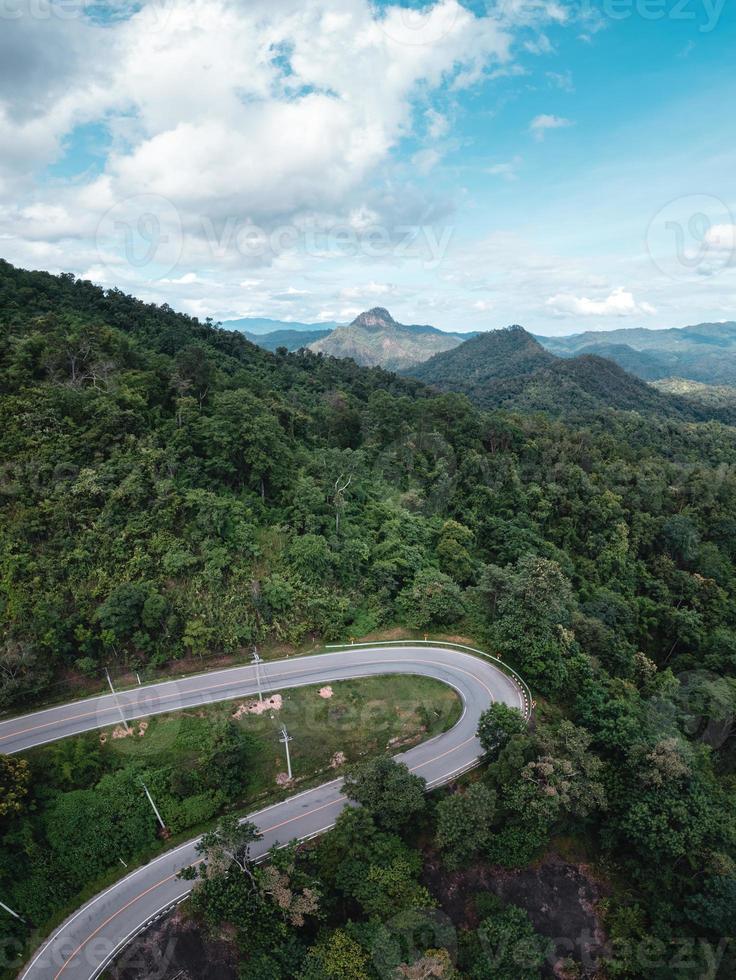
point(566, 164)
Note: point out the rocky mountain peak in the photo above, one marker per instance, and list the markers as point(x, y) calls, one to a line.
point(376, 319)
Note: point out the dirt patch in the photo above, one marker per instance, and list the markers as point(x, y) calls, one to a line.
point(175, 947)
point(120, 732)
point(273, 703)
point(560, 898)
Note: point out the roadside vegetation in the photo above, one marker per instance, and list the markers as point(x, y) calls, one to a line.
point(79, 814)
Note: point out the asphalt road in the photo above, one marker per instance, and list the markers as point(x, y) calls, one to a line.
point(88, 940)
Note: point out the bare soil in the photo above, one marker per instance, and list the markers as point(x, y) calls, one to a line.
point(175, 948)
point(560, 898)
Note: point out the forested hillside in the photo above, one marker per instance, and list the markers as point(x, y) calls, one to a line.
point(510, 369)
point(169, 490)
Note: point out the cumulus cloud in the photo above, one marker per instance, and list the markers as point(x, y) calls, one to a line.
point(619, 303)
point(231, 113)
point(541, 125)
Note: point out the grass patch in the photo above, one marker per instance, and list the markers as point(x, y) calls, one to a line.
point(364, 717)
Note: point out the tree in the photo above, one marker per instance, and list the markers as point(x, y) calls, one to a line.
point(497, 725)
point(432, 599)
point(505, 946)
point(452, 550)
point(389, 792)
point(387, 889)
point(464, 824)
point(228, 846)
point(295, 895)
point(90, 829)
point(532, 605)
point(15, 777)
point(337, 957)
point(435, 964)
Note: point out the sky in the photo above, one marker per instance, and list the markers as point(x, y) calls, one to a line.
point(568, 165)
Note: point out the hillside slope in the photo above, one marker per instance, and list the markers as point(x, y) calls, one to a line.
point(510, 369)
point(483, 359)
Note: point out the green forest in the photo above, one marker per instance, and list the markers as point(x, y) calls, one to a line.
point(170, 492)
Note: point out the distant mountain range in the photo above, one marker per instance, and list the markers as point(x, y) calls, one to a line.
point(290, 339)
point(704, 352)
point(511, 369)
point(261, 325)
point(375, 339)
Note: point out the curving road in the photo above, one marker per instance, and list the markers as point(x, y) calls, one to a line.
point(88, 940)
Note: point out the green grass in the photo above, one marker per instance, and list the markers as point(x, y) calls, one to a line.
point(364, 717)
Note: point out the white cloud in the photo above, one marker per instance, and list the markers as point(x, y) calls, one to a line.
point(231, 111)
point(426, 160)
point(540, 125)
point(438, 125)
point(508, 169)
point(721, 238)
point(620, 303)
point(562, 80)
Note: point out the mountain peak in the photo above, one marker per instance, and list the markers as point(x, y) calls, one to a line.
point(376, 319)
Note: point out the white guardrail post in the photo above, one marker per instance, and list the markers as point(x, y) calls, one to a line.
point(524, 689)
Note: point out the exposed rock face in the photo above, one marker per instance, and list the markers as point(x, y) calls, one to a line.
point(375, 339)
point(176, 947)
point(560, 898)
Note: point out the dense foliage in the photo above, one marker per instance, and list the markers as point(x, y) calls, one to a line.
point(510, 369)
point(170, 490)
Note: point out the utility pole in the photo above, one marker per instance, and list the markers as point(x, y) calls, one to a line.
point(340, 499)
point(115, 696)
point(153, 805)
point(286, 738)
point(256, 661)
point(11, 912)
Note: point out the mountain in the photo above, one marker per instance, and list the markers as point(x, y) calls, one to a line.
point(260, 325)
point(375, 339)
point(704, 352)
point(290, 339)
point(510, 369)
point(482, 359)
